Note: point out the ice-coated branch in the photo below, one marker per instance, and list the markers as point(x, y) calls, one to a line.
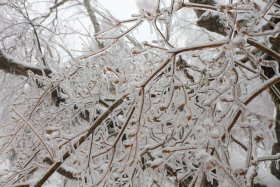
point(265, 49)
point(81, 140)
point(114, 38)
point(268, 158)
point(10, 65)
point(257, 92)
point(94, 21)
point(188, 88)
point(166, 61)
point(36, 133)
point(62, 171)
point(209, 45)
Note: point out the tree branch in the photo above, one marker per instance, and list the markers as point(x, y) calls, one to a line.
point(198, 47)
point(9, 65)
point(81, 140)
point(61, 170)
point(264, 49)
point(265, 86)
point(94, 21)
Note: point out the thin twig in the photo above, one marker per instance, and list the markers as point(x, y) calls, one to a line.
point(265, 86)
point(81, 140)
point(198, 47)
point(36, 133)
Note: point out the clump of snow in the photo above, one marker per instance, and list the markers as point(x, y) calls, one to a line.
point(264, 177)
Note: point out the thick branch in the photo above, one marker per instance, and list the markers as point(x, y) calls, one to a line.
point(9, 65)
point(81, 140)
point(58, 4)
point(61, 170)
point(94, 21)
point(264, 49)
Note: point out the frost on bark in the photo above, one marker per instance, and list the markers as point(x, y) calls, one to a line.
point(93, 20)
point(275, 46)
point(213, 23)
point(9, 65)
point(171, 111)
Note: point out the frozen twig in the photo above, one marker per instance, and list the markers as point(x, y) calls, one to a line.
point(66, 155)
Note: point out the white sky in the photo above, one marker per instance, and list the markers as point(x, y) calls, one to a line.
point(123, 9)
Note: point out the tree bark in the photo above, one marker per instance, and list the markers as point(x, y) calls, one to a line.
point(9, 65)
point(212, 23)
point(93, 19)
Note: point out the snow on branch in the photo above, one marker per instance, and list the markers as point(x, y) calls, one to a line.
point(11, 65)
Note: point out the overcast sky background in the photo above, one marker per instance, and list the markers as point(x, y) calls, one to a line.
point(123, 9)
